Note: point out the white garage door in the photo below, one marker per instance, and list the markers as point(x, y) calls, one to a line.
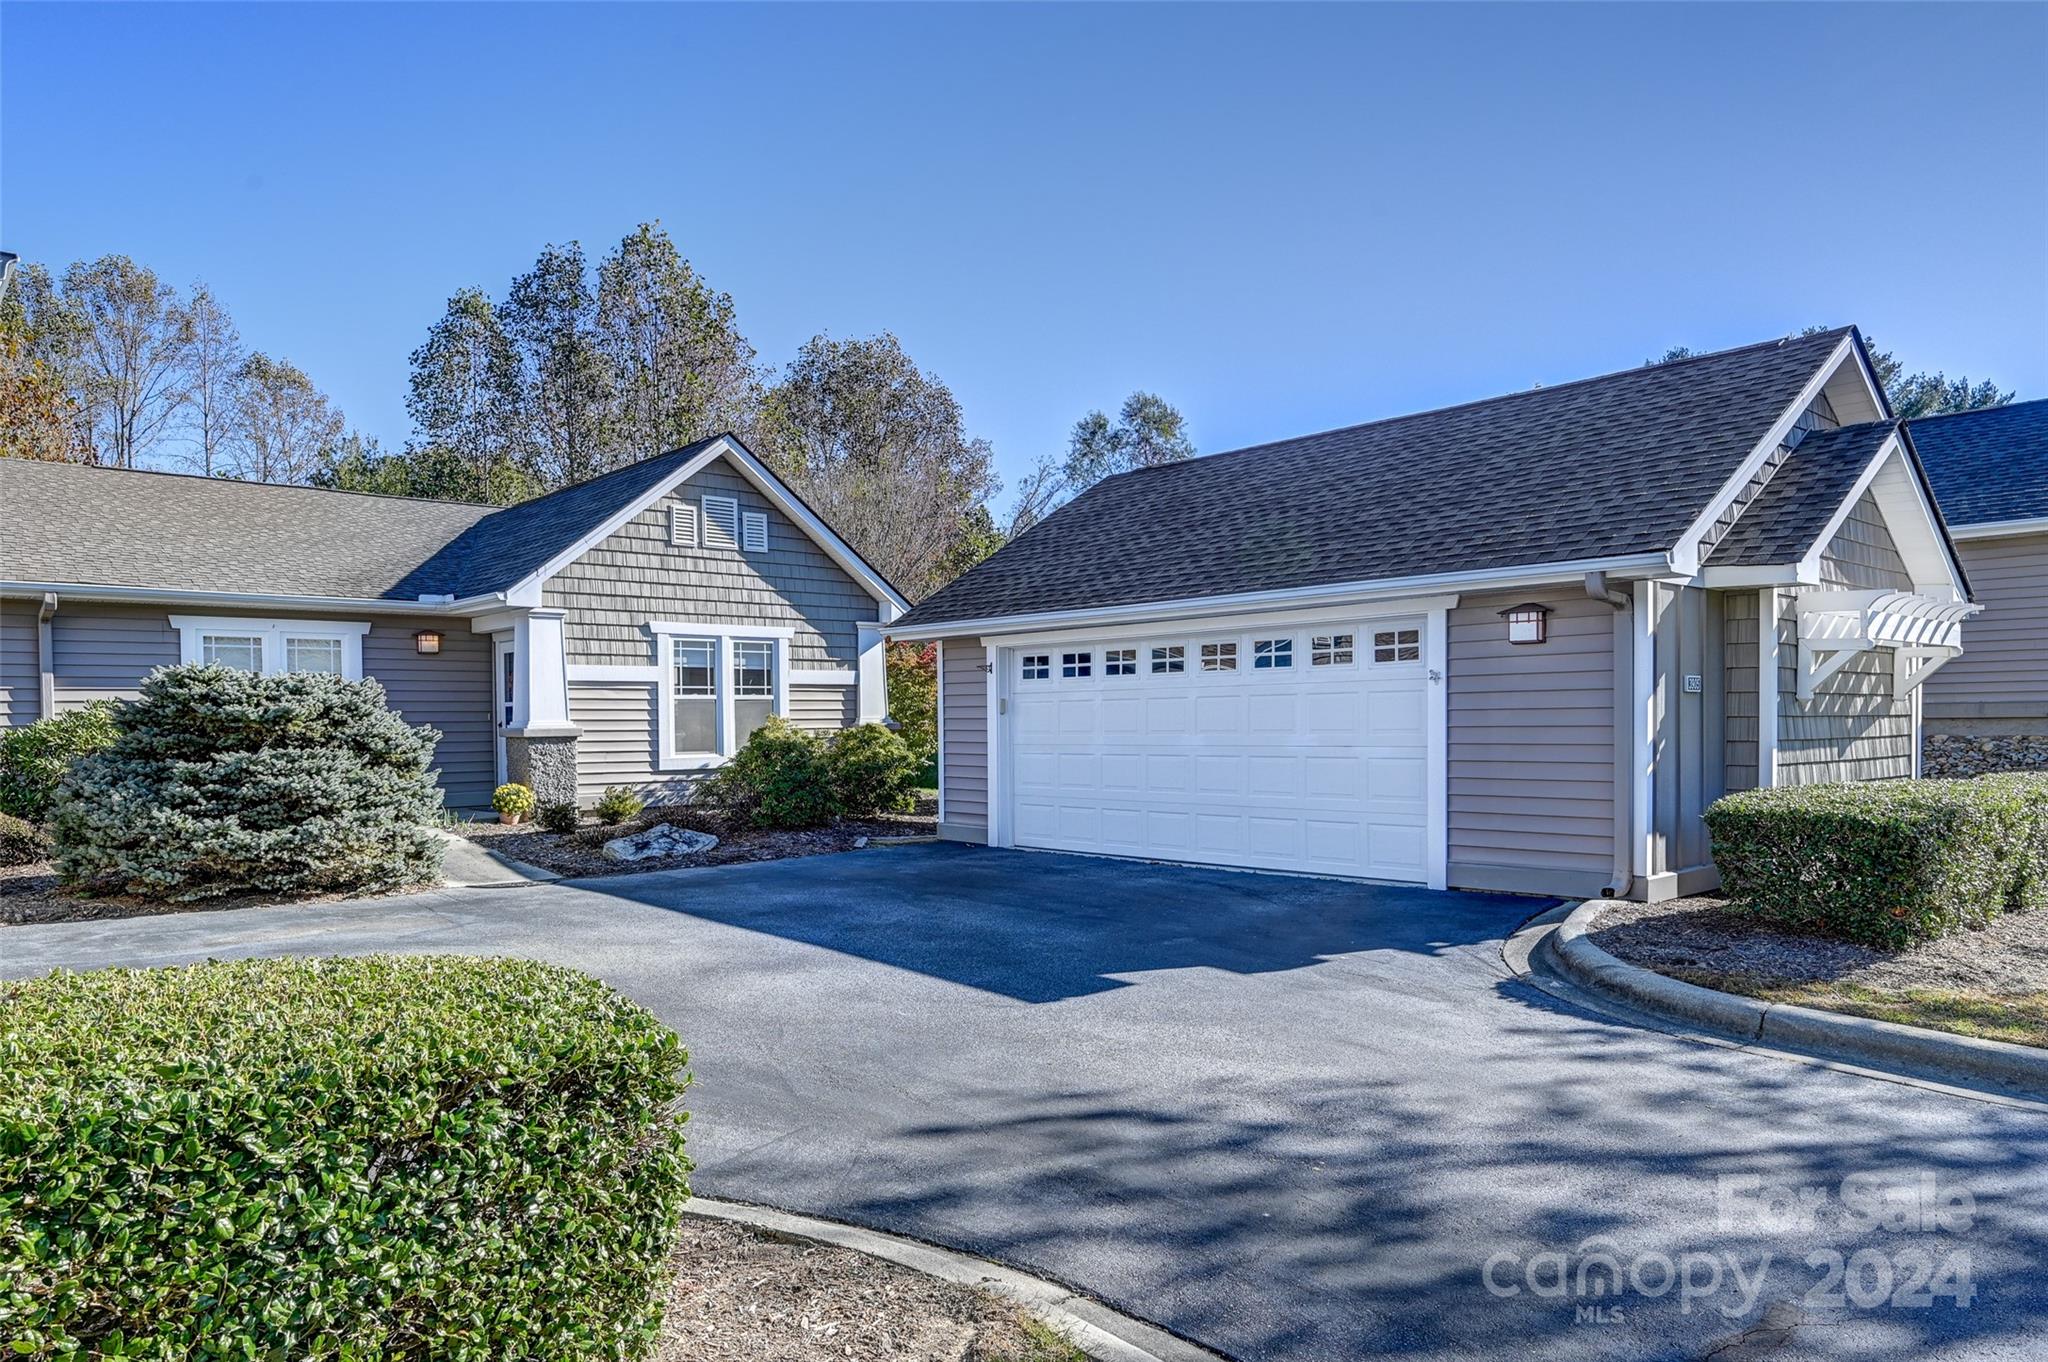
point(1285, 749)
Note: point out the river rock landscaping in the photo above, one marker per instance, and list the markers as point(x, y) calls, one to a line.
point(1949, 754)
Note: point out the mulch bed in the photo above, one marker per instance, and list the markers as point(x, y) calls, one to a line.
point(740, 1295)
point(580, 854)
point(30, 894)
point(1707, 935)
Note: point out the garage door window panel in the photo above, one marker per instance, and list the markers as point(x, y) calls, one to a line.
point(1332, 650)
point(1120, 662)
point(1272, 654)
point(1076, 666)
point(1397, 645)
point(1170, 659)
point(1219, 657)
point(1037, 667)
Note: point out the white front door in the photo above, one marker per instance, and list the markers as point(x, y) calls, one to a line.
point(1303, 747)
point(504, 680)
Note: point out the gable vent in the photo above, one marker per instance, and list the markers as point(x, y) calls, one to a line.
point(682, 525)
point(721, 522)
point(755, 525)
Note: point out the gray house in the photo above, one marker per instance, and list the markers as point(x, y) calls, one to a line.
point(1516, 644)
point(1990, 470)
point(630, 630)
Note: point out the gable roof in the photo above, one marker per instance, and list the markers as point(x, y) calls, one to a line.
point(1989, 465)
point(75, 525)
point(1601, 468)
point(1801, 498)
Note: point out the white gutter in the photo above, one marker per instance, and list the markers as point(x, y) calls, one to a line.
point(1335, 594)
point(1993, 529)
point(147, 595)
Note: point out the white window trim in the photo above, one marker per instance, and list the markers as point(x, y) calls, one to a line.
point(193, 629)
point(723, 637)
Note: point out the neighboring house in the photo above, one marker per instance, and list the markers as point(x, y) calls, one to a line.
point(1512, 645)
point(630, 630)
point(1990, 471)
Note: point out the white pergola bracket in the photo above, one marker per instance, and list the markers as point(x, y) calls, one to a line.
point(1835, 626)
point(1819, 661)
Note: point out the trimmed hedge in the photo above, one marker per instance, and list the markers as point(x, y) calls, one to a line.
point(223, 781)
point(33, 759)
point(1886, 863)
point(382, 1158)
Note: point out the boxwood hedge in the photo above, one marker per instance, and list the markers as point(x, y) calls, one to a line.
point(1886, 863)
point(379, 1158)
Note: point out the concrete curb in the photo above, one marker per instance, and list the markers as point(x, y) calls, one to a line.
point(467, 865)
point(1104, 1334)
point(1909, 1050)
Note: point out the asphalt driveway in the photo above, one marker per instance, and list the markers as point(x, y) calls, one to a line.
point(1293, 1119)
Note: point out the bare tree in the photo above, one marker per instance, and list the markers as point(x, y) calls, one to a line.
point(133, 346)
point(281, 424)
point(213, 362)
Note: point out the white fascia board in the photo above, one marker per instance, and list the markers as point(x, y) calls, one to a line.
point(222, 600)
point(1686, 555)
point(1321, 599)
point(1768, 574)
point(1399, 606)
point(1998, 529)
point(765, 482)
point(1920, 520)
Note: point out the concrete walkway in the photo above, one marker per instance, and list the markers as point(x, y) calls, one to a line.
point(1293, 1119)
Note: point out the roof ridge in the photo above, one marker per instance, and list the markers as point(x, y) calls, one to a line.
point(694, 447)
point(1488, 401)
point(483, 506)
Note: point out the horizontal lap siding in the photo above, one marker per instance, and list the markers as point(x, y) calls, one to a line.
point(103, 652)
point(450, 691)
point(618, 742)
point(823, 709)
point(2003, 672)
point(636, 575)
point(1531, 738)
point(21, 673)
point(964, 734)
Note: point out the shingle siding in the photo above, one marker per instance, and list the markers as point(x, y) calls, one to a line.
point(1862, 554)
point(2003, 672)
point(1852, 729)
point(1739, 614)
point(1531, 741)
point(963, 743)
point(636, 576)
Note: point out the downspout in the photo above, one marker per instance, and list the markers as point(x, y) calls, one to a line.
point(46, 657)
point(1622, 604)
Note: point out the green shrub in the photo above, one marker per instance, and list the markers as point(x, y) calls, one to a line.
point(34, 759)
point(872, 771)
point(513, 801)
point(21, 842)
point(383, 1158)
point(779, 779)
point(1886, 863)
point(617, 804)
point(563, 817)
point(223, 781)
point(2029, 867)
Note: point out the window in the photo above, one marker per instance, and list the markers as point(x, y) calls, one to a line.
point(509, 682)
point(1171, 658)
point(1075, 664)
point(755, 527)
point(1219, 657)
point(695, 684)
point(753, 687)
point(1330, 650)
point(312, 655)
point(241, 651)
point(682, 525)
point(1037, 666)
point(1397, 645)
point(721, 523)
point(269, 646)
point(1271, 653)
point(1120, 662)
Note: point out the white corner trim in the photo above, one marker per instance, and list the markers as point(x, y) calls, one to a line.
point(1643, 740)
point(643, 674)
point(1436, 818)
point(1767, 688)
point(998, 773)
point(714, 629)
point(824, 676)
point(1686, 554)
point(766, 483)
point(939, 716)
point(1996, 529)
point(192, 629)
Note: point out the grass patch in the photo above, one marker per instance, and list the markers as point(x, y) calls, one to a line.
point(1045, 1344)
point(2019, 1018)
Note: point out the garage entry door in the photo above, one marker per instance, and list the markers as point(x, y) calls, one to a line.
point(1286, 749)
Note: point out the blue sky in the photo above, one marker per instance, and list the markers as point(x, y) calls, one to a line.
point(1282, 219)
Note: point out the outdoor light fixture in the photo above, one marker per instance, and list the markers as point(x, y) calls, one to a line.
point(427, 642)
point(1526, 623)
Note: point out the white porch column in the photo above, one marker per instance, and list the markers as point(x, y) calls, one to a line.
point(873, 675)
point(540, 707)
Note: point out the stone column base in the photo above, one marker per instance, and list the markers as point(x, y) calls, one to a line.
point(545, 765)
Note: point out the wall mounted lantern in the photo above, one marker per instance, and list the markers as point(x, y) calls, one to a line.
point(1527, 623)
point(427, 642)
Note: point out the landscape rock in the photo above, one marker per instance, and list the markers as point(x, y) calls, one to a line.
point(1951, 754)
point(659, 842)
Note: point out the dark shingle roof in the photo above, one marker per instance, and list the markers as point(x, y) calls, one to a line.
point(65, 523)
point(1987, 465)
point(1801, 497)
point(1603, 467)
